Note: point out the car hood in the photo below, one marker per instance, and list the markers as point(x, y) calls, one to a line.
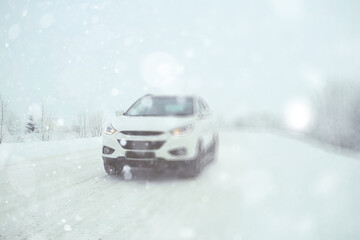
point(133, 123)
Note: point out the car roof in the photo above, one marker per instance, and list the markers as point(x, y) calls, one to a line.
point(175, 96)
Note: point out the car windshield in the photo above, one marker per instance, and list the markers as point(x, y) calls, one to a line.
point(162, 106)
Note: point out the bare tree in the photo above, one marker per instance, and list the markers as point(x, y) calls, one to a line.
point(49, 128)
point(12, 127)
point(96, 121)
point(46, 124)
point(3, 113)
point(42, 127)
point(80, 126)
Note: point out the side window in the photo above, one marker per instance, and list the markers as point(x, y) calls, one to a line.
point(203, 108)
point(206, 107)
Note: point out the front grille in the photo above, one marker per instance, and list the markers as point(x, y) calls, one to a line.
point(139, 154)
point(141, 145)
point(141, 133)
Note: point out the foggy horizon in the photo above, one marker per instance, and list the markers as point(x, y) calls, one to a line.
point(74, 56)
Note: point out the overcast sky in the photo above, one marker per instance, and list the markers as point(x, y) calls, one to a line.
point(241, 56)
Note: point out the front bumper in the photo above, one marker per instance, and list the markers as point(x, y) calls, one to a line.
point(119, 162)
point(145, 150)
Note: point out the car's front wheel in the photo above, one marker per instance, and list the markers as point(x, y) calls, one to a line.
point(194, 167)
point(109, 169)
point(112, 168)
point(214, 148)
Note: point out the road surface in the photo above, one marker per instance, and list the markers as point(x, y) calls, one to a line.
point(263, 186)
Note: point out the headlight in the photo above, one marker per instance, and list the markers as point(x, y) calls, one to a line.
point(181, 131)
point(110, 130)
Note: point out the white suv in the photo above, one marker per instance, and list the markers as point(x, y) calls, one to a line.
point(162, 132)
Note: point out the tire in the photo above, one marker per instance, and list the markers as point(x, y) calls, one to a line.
point(214, 149)
point(194, 168)
point(112, 170)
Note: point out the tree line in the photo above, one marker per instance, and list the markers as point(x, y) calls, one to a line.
point(337, 114)
point(44, 126)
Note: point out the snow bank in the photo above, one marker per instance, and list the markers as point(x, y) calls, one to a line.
point(13, 153)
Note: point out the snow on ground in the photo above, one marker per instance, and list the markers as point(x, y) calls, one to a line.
point(262, 187)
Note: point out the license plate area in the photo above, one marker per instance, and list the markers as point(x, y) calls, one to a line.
point(140, 155)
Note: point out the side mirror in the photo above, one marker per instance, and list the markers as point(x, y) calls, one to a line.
point(119, 113)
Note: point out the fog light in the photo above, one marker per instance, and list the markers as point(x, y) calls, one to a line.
point(107, 150)
point(122, 142)
point(178, 151)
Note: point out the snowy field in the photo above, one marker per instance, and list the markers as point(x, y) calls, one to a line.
point(263, 186)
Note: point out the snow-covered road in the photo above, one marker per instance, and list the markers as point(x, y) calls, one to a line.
point(263, 186)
